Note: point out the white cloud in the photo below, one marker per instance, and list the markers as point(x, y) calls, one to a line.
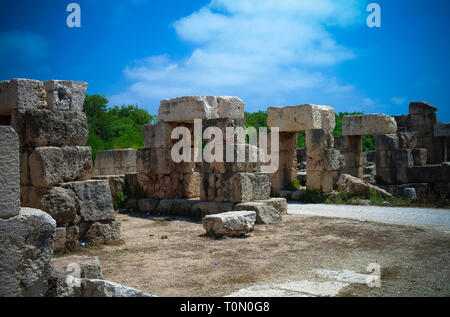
point(271, 50)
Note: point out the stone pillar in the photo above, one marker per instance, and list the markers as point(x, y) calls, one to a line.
point(287, 170)
point(322, 160)
point(423, 119)
point(9, 173)
point(351, 148)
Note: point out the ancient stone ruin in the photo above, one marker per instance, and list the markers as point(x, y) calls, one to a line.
point(55, 163)
point(52, 199)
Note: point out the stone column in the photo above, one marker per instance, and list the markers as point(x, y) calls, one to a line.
point(9, 173)
point(287, 170)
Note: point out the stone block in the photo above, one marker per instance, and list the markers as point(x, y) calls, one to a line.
point(89, 266)
point(25, 174)
point(233, 223)
point(238, 125)
point(158, 135)
point(204, 208)
point(161, 186)
point(427, 174)
point(320, 180)
point(175, 207)
point(420, 107)
point(346, 143)
point(154, 161)
point(9, 173)
point(316, 141)
point(301, 118)
point(21, 94)
point(26, 251)
point(251, 161)
point(403, 158)
point(38, 128)
point(236, 187)
point(147, 205)
point(422, 189)
point(191, 185)
point(386, 142)
point(355, 186)
point(72, 238)
point(189, 108)
point(50, 166)
point(99, 232)
point(265, 214)
point(352, 159)
point(279, 204)
point(116, 185)
point(419, 156)
point(58, 202)
point(386, 175)
point(370, 124)
point(94, 200)
point(59, 244)
point(407, 140)
point(115, 162)
point(442, 130)
point(64, 95)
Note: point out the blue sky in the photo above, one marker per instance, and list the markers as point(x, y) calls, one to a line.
point(267, 52)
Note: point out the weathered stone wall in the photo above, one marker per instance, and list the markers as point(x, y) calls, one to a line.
point(55, 164)
point(26, 235)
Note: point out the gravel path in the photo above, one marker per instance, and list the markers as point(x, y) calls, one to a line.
point(421, 217)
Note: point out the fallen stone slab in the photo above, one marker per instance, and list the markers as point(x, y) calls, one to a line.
point(80, 266)
point(65, 95)
point(369, 124)
point(232, 224)
point(189, 108)
point(21, 93)
point(26, 251)
point(175, 207)
point(278, 203)
point(355, 186)
point(265, 214)
point(9, 173)
point(99, 232)
point(103, 288)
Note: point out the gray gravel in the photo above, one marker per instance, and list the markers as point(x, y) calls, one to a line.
point(421, 217)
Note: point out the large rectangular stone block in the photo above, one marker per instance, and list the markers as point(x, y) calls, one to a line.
point(158, 135)
point(65, 95)
point(21, 94)
point(154, 161)
point(115, 162)
point(236, 187)
point(419, 156)
point(403, 158)
point(50, 166)
point(370, 124)
point(301, 118)
point(386, 142)
point(428, 174)
point(9, 173)
point(189, 108)
point(169, 186)
point(407, 140)
point(347, 143)
point(50, 128)
point(94, 200)
point(320, 180)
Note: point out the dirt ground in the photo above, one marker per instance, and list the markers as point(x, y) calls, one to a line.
point(173, 257)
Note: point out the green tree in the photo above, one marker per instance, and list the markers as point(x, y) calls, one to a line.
point(114, 127)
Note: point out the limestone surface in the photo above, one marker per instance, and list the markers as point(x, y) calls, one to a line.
point(26, 251)
point(186, 109)
point(9, 173)
point(301, 118)
point(233, 223)
point(265, 214)
point(370, 124)
point(64, 95)
point(21, 93)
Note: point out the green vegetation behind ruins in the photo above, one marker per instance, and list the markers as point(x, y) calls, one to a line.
point(121, 127)
point(114, 127)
